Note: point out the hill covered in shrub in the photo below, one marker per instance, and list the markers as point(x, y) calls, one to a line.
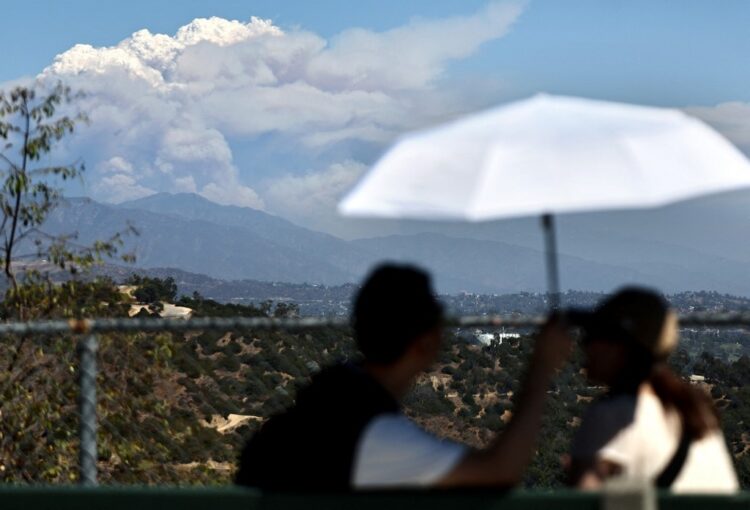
point(175, 408)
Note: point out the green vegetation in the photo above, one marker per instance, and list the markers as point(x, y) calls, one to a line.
point(31, 124)
point(37, 375)
point(152, 290)
point(203, 307)
point(165, 399)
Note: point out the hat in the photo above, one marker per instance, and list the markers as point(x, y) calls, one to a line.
point(632, 314)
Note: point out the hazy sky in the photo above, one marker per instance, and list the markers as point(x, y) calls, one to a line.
point(285, 110)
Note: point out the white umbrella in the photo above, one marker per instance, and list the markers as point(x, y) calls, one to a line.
point(546, 155)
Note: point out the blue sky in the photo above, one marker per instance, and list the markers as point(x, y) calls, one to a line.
point(657, 51)
point(287, 123)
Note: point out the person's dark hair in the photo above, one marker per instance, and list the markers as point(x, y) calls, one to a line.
point(395, 305)
point(699, 415)
point(649, 328)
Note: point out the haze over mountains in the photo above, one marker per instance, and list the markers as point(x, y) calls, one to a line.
point(699, 245)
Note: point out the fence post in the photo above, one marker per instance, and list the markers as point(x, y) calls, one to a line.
point(87, 454)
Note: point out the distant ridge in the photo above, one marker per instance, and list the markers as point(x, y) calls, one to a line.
point(190, 233)
point(197, 245)
point(320, 300)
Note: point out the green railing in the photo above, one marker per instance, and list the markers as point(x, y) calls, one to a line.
point(114, 498)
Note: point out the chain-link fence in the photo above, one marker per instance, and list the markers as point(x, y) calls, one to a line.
point(154, 401)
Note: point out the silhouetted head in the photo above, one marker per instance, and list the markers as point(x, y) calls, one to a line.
point(396, 313)
point(626, 335)
point(628, 339)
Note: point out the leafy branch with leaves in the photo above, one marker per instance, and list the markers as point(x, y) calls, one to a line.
point(33, 120)
point(37, 386)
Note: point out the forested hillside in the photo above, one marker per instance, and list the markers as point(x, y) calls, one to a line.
point(176, 408)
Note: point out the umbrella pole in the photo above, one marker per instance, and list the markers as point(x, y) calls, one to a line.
point(550, 248)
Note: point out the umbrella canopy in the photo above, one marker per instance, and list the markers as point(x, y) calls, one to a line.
point(548, 154)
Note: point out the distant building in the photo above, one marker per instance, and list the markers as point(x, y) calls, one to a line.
point(502, 335)
point(484, 338)
point(487, 338)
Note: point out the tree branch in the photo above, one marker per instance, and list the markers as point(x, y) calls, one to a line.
point(19, 194)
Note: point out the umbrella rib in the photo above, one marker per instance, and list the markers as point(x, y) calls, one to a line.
point(479, 185)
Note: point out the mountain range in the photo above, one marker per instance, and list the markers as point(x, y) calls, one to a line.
point(701, 245)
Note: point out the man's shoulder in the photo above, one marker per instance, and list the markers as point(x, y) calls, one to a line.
point(613, 408)
point(347, 386)
point(395, 451)
point(399, 434)
point(339, 398)
point(320, 430)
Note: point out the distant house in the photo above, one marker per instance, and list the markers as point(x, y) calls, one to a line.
point(484, 338)
point(503, 335)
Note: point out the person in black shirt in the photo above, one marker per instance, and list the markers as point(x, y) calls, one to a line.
point(346, 430)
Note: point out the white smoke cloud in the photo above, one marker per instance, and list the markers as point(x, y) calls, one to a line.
point(164, 108)
point(295, 196)
point(120, 187)
point(408, 57)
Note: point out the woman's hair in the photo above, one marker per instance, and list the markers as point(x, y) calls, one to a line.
point(699, 415)
point(695, 407)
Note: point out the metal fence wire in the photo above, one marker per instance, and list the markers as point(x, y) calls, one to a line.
point(157, 401)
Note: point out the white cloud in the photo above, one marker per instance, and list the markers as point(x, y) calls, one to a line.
point(121, 187)
point(408, 57)
point(223, 32)
point(311, 198)
point(165, 107)
point(116, 164)
point(185, 184)
point(232, 195)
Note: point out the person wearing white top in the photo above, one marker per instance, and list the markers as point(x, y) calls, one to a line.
point(651, 426)
point(346, 430)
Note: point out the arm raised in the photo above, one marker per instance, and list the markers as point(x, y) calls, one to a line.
point(505, 460)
